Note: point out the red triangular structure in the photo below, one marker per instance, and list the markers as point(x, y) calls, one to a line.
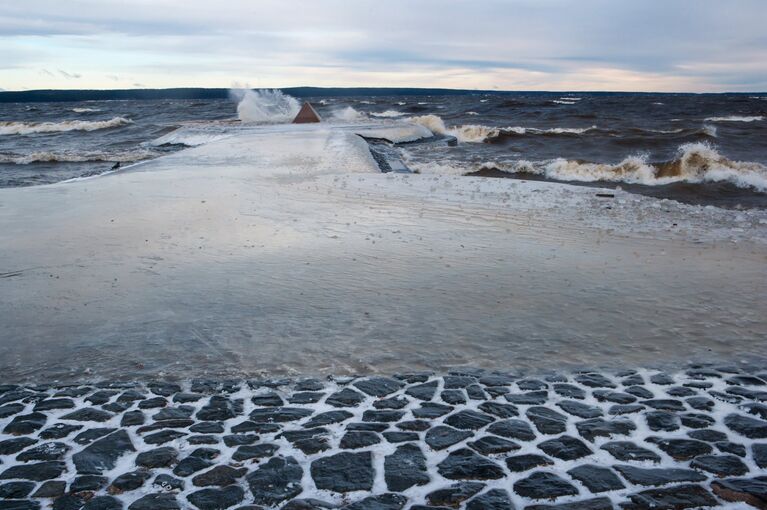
point(307, 114)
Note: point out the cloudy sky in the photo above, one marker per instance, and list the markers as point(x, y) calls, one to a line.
point(650, 45)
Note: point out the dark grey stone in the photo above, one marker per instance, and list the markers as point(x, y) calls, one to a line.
point(68, 502)
point(626, 451)
point(164, 389)
point(441, 436)
point(15, 445)
point(423, 391)
point(220, 476)
point(664, 404)
point(385, 416)
point(103, 503)
point(400, 437)
point(594, 381)
point(453, 397)
point(219, 408)
point(23, 424)
point(358, 439)
point(16, 490)
point(217, 499)
point(306, 397)
point(88, 483)
point(233, 440)
point(38, 472)
point(697, 420)
point(565, 448)
point(54, 403)
point(205, 427)
point(276, 480)
point(499, 410)
point(529, 398)
point(465, 464)
point(519, 463)
point(596, 478)
point(759, 451)
point(543, 485)
point(343, 472)
point(380, 502)
point(586, 504)
point(168, 483)
point(347, 397)
point(468, 420)
point(88, 414)
point(258, 451)
point(174, 413)
point(708, 435)
point(405, 468)
point(494, 499)
point(720, 465)
point(569, 391)
point(132, 418)
point(51, 489)
point(458, 381)
point(455, 494)
point(489, 445)
point(678, 498)
point(157, 458)
point(191, 465)
point(59, 431)
point(546, 420)
point(751, 491)
point(615, 397)
point(653, 476)
point(513, 429)
point(597, 427)
point(752, 428)
point(639, 391)
point(45, 451)
point(268, 400)
point(128, 482)
point(397, 402)
point(580, 409)
point(431, 410)
point(662, 421)
point(157, 501)
point(681, 449)
point(164, 436)
point(378, 386)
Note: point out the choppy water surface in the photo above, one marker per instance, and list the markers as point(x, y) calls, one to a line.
point(697, 148)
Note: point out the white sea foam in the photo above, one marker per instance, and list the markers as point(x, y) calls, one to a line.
point(736, 118)
point(695, 163)
point(191, 136)
point(472, 113)
point(349, 114)
point(265, 106)
point(85, 110)
point(387, 114)
point(560, 101)
point(28, 128)
point(479, 133)
point(75, 157)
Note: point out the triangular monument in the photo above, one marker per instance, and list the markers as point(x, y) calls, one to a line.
point(307, 114)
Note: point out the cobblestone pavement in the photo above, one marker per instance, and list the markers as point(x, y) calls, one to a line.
point(468, 439)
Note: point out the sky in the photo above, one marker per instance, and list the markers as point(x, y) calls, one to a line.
point(627, 45)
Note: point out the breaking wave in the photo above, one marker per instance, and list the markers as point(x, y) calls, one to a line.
point(190, 136)
point(477, 133)
point(694, 163)
point(387, 114)
point(85, 110)
point(71, 157)
point(264, 106)
point(349, 114)
point(28, 128)
point(736, 118)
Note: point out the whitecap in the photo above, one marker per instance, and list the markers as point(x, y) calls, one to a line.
point(736, 118)
point(27, 128)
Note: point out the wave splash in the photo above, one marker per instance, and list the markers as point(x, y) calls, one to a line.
point(695, 163)
point(72, 157)
point(736, 118)
point(28, 128)
point(265, 106)
point(474, 133)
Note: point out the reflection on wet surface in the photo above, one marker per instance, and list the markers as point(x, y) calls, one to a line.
point(183, 271)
